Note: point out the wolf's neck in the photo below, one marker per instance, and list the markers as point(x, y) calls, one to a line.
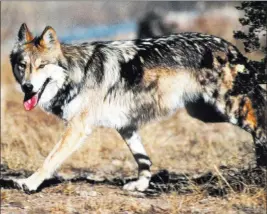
point(74, 61)
point(77, 54)
point(64, 96)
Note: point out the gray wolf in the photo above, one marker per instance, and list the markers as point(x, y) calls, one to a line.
point(125, 84)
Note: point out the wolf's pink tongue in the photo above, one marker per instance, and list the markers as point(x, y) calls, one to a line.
point(31, 103)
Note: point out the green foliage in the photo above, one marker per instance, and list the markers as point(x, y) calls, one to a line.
point(255, 19)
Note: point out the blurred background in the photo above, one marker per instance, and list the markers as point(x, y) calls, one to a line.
point(186, 144)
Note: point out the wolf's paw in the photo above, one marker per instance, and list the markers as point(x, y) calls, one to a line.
point(140, 185)
point(25, 185)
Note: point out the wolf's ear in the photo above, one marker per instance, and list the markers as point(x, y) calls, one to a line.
point(24, 35)
point(48, 39)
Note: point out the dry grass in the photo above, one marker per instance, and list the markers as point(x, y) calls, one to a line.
point(105, 199)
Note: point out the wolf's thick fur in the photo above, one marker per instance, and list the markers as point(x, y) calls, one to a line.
point(124, 84)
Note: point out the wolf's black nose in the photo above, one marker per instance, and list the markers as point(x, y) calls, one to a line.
point(27, 87)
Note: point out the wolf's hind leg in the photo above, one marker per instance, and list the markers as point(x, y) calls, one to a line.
point(134, 143)
point(71, 140)
point(248, 112)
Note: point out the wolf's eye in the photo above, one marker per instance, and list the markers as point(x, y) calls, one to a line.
point(42, 66)
point(21, 66)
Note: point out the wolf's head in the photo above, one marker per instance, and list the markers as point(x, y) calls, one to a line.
point(37, 65)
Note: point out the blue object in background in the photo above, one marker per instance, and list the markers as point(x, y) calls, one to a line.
point(101, 31)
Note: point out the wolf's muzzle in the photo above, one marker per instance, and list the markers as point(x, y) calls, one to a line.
point(27, 88)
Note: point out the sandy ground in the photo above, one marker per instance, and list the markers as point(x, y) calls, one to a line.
point(84, 198)
point(83, 191)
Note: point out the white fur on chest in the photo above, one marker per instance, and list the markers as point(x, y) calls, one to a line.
point(73, 108)
point(112, 116)
point(98, 112)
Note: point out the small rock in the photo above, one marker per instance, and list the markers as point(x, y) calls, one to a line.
point(96, 178)
point(16, 204)
point(204, 201)
point(92, 193)
point(88, 194)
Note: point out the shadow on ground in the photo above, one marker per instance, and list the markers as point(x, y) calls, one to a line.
point(214, 184)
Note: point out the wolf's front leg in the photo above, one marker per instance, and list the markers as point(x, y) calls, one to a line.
point(71, 140)
point(133, 141)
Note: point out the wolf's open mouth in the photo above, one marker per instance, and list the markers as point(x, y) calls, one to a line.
point(31, 99)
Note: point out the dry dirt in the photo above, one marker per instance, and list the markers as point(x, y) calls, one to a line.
point(84, 191)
